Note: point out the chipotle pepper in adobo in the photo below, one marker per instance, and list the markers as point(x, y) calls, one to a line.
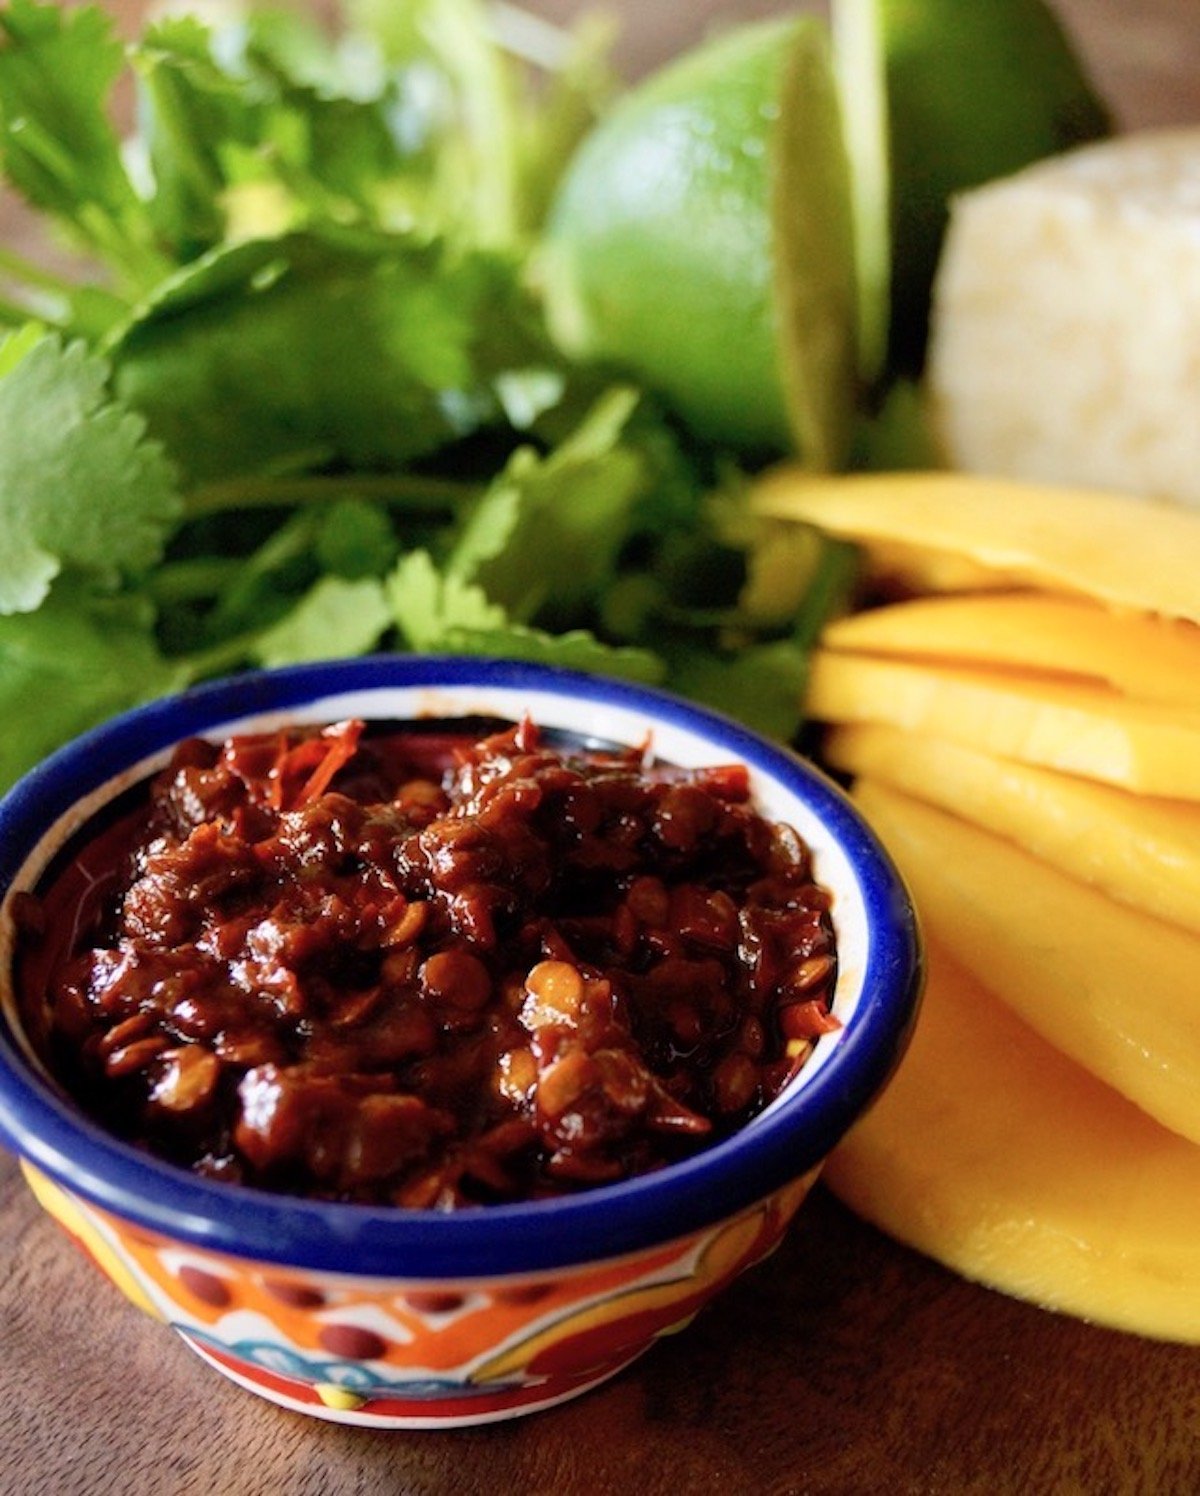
point(430, 972)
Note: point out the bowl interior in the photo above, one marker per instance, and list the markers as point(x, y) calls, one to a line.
point(873, 999)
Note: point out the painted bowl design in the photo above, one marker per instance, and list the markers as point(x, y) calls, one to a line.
point(410, 1318)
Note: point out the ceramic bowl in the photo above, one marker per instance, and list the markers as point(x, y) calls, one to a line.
point(394, 1318)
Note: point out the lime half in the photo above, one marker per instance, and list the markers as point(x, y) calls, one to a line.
point(701, 241)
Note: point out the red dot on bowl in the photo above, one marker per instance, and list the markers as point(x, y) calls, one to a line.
point(296, 1295)
point(207, 1287)
point(430, 1301)
point(353, 1342)
point(522, 1293)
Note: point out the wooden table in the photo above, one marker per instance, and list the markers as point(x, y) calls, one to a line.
point(843, 1365)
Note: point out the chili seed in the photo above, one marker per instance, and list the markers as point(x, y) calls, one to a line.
point(408, 926)
point(704, 916)
point(564, 1082)
point(555, 991)
point(134, 1057)
point(516, 1075)
point(734, 1081)
point(648, 901)
point(187, 1079)
point(137, 1026)
point(356, 1008)
point(456, 979)
point(247, 1048)
point(194, 1019)
point(810, 973)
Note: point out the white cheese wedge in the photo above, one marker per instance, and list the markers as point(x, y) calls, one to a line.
point(1065, 341)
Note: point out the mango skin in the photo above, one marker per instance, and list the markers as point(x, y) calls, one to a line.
point(1003, 1160)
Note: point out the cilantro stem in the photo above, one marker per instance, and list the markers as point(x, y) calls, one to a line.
point(194, 579)
point(430, 495)
point(220, 659)
point(142, 265)
point(13, 314)
point(827, 592)
point(21, 269)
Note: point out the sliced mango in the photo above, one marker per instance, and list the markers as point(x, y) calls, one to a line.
point(1153, 750)
point(1117, 991)
point(1136, 553)
point(1142, 851)
point(993, 1153)
point(1143, 656)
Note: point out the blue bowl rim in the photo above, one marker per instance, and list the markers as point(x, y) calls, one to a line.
point(37, 1123)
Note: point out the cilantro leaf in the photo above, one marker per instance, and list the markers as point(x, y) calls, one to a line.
point(365, 348)
point(58, 147)
point(471, 123)
point(576, 649)
point(77, 660)
point(335, 617)
point(440, 613)
point(229, 122)
point(191, 113)
point(761, 685)
point(546, 535)
point(355, 539)
point(79, 484)
point(428, 607)
point(299, 316)
point(494, 99)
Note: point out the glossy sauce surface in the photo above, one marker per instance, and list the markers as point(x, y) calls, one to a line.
point(429, 971)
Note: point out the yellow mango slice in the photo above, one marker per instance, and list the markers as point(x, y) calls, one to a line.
point(1135, 553)
point(1143, 656)
point(1113, 988)
point(995, 1154)
point(1153, 750)
point(1142, 851)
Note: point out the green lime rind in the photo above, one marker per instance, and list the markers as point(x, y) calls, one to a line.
point(815, 271)
point(975, 91)
point(663, 249)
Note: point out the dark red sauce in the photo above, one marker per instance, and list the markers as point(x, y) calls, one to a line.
point(429, 971)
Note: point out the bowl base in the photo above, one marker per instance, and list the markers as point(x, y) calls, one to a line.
point(339, 1404)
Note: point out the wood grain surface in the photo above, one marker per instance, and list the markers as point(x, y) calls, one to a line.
point(845, 1364)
